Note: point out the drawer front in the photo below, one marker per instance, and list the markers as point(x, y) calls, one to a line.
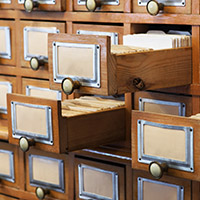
point(177, 6)
point(46, 5)
point(168, 188)
point(5, 197)
point(9, 174)
point(105, 5)
point(38, 121)
point(115, 32)
point(7, 45)
point(48, 171)
point(165, 139)
point(35, 41)
point(163, 103)
point(6, 4)
point(110, 184)
point(40, 88)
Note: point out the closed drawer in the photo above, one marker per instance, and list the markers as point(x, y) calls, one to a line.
point(105, 72)
point(115, 32)
point(7, 45)
point(61, 129)
point(7, 85)
point(165, 141)
point(40, 88)
point(34, 43)
point(47, 174)
point(5, 197)
point(167, 188)
point(102, 5)
point(9, 168)
point(46, 5)
point(110, 184)
point(6, 4)
point(177, 6)
point(163, 103)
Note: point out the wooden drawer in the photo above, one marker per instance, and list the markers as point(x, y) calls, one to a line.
point(49, 172)
point(7, 45)
point(104, 5)
point(177, 6)
point(110, 184)
point(164, 103)
point(9, 168)
point(46, 5)
point(115, 32)
point(168, 139)
point(145, 187)
point(34, 42)
point(6, 197)
point(40, 88)
point(103, 72)
point(59, 130)
point(7, 85)
point(6, 4)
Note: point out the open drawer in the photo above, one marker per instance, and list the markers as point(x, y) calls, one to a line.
point(100, 69)
point(166, 143)
point(74, 125)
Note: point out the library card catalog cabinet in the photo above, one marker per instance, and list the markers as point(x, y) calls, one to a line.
point(87, 114)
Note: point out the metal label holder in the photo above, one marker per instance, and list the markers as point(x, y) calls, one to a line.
point(165, 2)
point(29, 87)
point(5, 1)
point(11, 177)
point(95, 81)
point(103, 2)
point(58, 188)
point(28, 56)
point(7, 53)
point(181, 106)
point(187, 165)
point(114, 36)
point(47, 139)
point(86, 195)
point(9, 85)
point(40, 1)
point(140, 182)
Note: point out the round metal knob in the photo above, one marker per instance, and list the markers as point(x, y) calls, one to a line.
point(41, 193)
point(156, 169)
point(29, 5)
point(68, 85)
point(91, 5)
point(35, 63)
point(153, 7)
point(24, 144)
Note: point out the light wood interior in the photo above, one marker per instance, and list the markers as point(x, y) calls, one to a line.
point(46, 170)
point(165, 143)
point(31, 120)
point(88, 104)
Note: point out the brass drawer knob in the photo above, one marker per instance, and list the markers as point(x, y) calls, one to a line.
point(35, 63)
point(156, 169)
point(29, 5)
point(25, 144)
point(41, 193)
point(68, 85)
point(91, 5)
point(153, 7)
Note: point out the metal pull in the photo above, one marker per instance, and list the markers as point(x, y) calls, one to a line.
point(138, 83)
point(68, 85)
point(29, 5)
point(156, 169)
point(91, 5)
point(25, 144)
point(35, 63)
point(41, 193)
point(153, 7)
